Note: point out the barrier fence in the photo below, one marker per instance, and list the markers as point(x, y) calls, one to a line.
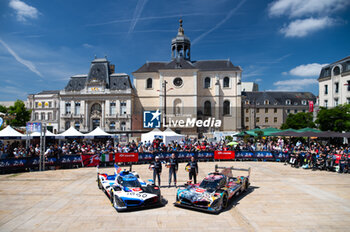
point(70, 161)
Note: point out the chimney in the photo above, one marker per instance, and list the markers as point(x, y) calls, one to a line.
point(112, 68)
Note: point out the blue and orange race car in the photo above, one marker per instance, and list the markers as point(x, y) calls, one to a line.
point(214, 192)
point(126, 190)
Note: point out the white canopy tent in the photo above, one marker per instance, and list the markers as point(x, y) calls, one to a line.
point(167, 136)
point(150, 136)
point(37, 134)
point(10, 133)
point(171, 136)
point(98, 133)
point(70, 133)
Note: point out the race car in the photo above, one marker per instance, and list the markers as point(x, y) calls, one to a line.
point(214, 192)
point(126, 190)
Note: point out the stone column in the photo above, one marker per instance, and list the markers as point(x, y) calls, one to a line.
point(103, 116)
point(86, 126)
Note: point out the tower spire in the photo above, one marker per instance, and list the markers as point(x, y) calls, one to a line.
point(181, 44)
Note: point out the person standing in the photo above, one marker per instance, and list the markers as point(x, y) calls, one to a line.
point(157, 170)
point(193, 169)
point(173, 167)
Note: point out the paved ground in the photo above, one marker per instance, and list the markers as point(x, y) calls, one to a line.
point(280, 199)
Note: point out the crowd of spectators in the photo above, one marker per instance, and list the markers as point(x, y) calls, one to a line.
point(306, 155)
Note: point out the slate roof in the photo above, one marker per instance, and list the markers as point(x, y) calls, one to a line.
point(326, 70)
point(49, 92)
point(76, 83)
point(202, 65)
point(278, 98)
point(120, 82)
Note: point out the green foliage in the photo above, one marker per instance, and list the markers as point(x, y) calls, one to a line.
point(298, 121)
point(3, 109)
point(246, 138)
point(228, 138)
point(334, 119)
point(260, 134)
point(20, 113)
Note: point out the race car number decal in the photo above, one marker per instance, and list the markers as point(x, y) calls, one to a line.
point(200, 190)
point(136, 194)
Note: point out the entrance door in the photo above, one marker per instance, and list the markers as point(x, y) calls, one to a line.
point(95, 123)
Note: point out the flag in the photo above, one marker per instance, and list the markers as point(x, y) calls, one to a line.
point(90, 160)
point(311, 106)
point(107, 157)
point(117, 169)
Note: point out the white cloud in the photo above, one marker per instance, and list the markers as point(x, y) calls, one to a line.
point(86, 45)
point(303, 27)
point(309, 15)
point(300, 8)
point(23, 10)
point(26, 63)
point(294, 84)
point(307, 70)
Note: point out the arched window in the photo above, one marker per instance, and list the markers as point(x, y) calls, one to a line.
point(288, 102)
point(207, 82)
point(177, 107)
point(207, 108)
point(96, 107)
point(123, 126)
point(149, 84)
point(336, 71)
point(226, 82)
point(226, 107)
point(112, 125)
point(77, 125)
point(67, 125)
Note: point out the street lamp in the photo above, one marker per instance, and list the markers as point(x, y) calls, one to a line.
point(164, 92)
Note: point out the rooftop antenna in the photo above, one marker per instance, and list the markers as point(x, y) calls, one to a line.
point(95, 56)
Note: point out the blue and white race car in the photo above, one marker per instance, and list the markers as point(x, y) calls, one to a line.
point(126, 190)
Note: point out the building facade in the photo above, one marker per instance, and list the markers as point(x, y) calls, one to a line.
point(101, 98)
point(45, 108)
point(183, 88)
point(334, 84)
point(270, 109)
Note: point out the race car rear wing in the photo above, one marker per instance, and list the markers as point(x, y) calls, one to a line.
point(232, 169)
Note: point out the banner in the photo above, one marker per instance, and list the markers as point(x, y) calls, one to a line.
point(224, 155)
point(70, 159)
point(126, 157)
point(245, 155)
point(90, 160)
point(266, 155)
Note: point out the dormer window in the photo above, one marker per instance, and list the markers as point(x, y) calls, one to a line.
point(336, 71)
point(247, 102)
point(266, 102)
point(303, 102)
point(288, 102)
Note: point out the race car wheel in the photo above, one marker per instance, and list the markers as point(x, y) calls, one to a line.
point(111, 197)
point(224, 201)
point(99, 184)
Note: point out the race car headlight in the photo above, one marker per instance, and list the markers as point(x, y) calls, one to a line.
point(119, 201)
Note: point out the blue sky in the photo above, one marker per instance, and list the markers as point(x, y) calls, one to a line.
point(280, 44)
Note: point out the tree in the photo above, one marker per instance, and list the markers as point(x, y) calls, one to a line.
point(334, 119)
point(3, 109)
point(298, 121)
point(20, 113)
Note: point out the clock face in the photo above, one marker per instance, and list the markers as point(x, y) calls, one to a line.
point(178, 82)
